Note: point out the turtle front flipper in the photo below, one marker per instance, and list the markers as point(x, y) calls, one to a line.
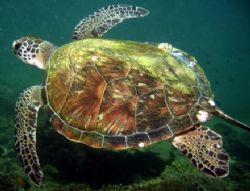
point(204, 148)
point(27, 107)
point(97, 24)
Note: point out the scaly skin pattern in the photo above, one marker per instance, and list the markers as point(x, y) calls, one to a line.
point(120, 94)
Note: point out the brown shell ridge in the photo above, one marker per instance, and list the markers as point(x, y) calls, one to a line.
point(67, 59)
point(200, 84)
point(116, 79)
point(106, 84)
point(154, 111)
point(117, 105)
point(84, 98)
point(111, 124)
point(176, 124)
point(63, 128)
point(181, 122)
point(72, 81)
point(158, 88)
point(137, 139)
point(69, 92)
point(77, 73)
point(202, 87)
point(171, 116)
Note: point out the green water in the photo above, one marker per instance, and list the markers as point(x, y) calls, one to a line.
point(217, 33)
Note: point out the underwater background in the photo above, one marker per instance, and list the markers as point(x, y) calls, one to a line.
point(216, 33)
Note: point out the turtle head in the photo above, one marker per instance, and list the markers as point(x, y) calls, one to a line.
point(32, 50)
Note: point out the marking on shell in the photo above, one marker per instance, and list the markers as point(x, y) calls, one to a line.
point(165, 46)
point(141, 144)
point(148, 137)
point(152, 96)
point(211, 102)
point(94, 58)
point(168, 126)
point(141, 84)
point(202, 116)
point(191, 64)
point(139, 113)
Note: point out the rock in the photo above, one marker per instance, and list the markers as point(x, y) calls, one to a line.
point(3, 151)
point(6, 183)
point(51, 171)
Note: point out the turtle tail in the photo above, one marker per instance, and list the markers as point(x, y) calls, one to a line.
point(231, 120)
point(27, 107)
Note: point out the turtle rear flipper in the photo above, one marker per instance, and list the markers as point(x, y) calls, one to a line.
point(97, 24)
point(27, 108)
point(204, 148)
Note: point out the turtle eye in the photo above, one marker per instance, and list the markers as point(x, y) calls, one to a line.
point(17, 47)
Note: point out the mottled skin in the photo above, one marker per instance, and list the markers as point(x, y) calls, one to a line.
point(107, 93)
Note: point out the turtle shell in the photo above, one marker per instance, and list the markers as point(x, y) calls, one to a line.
point(120, 94)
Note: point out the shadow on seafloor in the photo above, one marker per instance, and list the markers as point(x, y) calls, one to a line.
point(96, 167)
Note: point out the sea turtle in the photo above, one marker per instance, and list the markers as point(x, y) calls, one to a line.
point(118, 94)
